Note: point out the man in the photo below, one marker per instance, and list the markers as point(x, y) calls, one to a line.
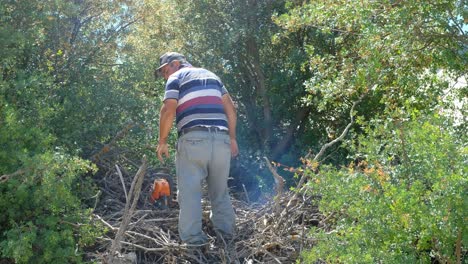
point(206, 125)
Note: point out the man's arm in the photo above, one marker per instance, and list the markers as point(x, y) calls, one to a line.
point(231, 115)
point(166, 119)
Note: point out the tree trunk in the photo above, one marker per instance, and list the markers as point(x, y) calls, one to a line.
point(257, 75)
point(288, 138)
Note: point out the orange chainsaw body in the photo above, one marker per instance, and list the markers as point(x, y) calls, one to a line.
point(161, 189)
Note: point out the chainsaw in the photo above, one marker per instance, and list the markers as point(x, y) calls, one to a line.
point(161, 190)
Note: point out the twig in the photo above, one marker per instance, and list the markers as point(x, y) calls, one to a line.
point(160, 220)
point(336, 140)
point(128, 211)
point(246, 194)
point(273, 256)
point(150, 238)
point(132, 225)
point(137, 246)
point(323, 221)
point(104, 222)
point(123, 182)
point(279, 181)
point(343, 134)
point(6, 177)
point(96, 157)
point(97, 199)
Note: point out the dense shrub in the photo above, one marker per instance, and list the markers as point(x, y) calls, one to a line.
point(403, 201)
point(42, 220)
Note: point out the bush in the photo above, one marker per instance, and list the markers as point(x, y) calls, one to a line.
point(42, 219)
point(403, 201)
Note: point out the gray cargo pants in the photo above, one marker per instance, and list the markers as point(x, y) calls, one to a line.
point(203, 155)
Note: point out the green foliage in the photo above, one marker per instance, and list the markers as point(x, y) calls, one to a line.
point(403, 202)
point(42, 220)
point(60, 72)
point(390, 53)
point(72, 76)
point(61, 94)
point(18, 138)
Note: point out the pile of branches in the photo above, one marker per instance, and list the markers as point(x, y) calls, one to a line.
point(273, 231)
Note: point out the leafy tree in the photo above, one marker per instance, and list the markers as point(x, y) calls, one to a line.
point(76, 72)
point(42, 220)
point(403, 204)
point(390, 52)
point(392, 203)
point(60, 95)
point(265, 77)
point(21, 103)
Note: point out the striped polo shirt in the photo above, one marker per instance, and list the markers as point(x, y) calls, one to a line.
point(198, 93)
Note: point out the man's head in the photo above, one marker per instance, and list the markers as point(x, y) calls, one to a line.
point(169, 63)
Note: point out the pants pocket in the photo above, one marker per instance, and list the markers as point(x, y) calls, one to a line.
point(195, 149)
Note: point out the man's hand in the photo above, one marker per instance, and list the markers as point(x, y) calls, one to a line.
point(234, 148)
point(163, 148)
point(166, 118)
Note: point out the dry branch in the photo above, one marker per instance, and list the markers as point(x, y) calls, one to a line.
point(107, 147)
point(279, 181)
point(262, 236)
point(317, 157)
point(333, 142)
point(134, 194)
point(123, 182)
point(6, 177)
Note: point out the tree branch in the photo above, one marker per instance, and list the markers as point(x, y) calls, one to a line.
point(343, 134)
point(95, 157)
point(279, 181)
point(6, 177)
point(122, 181)
point(324, 148)
point(134, 194)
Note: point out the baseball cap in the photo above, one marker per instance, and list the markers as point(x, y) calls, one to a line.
point(168, 57)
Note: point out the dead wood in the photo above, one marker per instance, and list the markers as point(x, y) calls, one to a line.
point(107, 147)
point(275, 230)
point(335, 141)
point(6, 177)
point(279, 181)
point(134, 195)
point(262, 236)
